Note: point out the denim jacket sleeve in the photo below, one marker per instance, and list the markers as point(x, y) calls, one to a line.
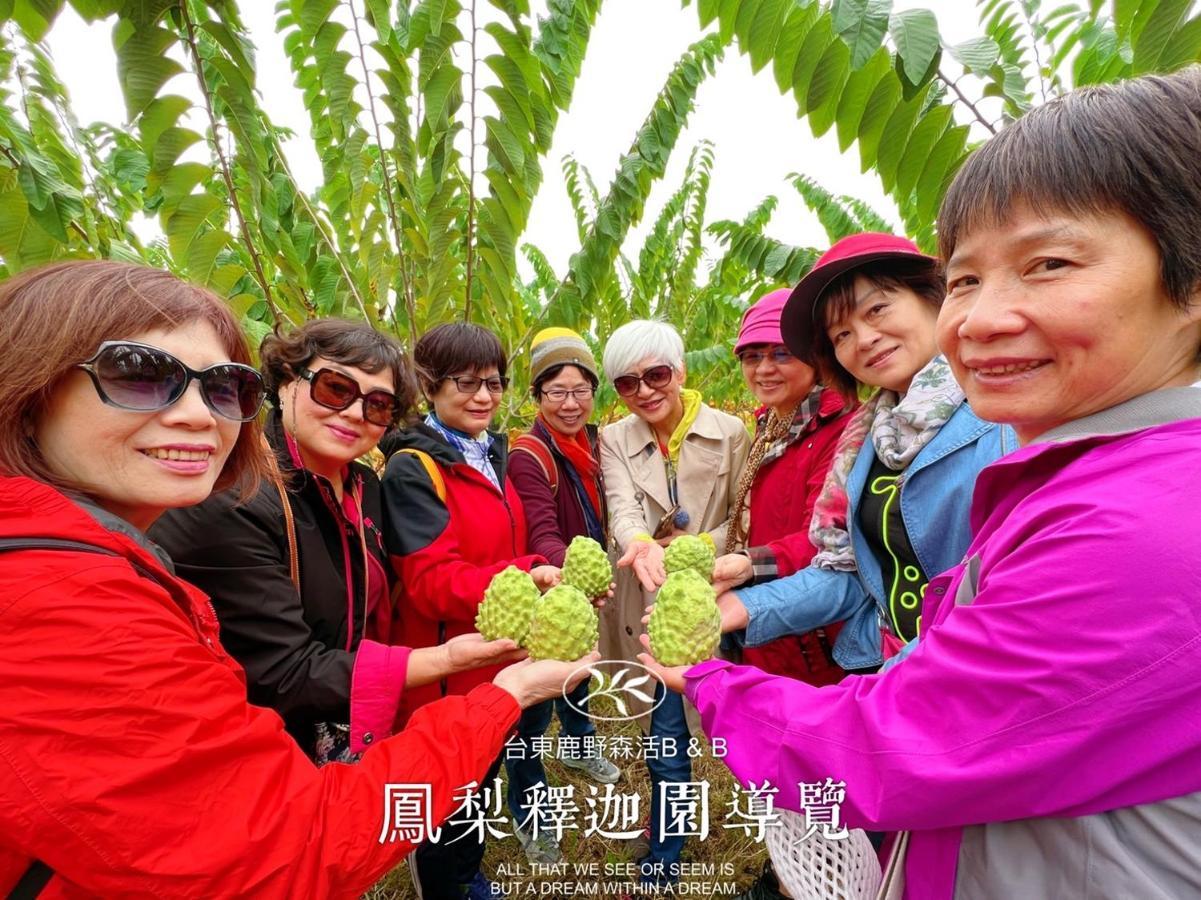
point(808, 599)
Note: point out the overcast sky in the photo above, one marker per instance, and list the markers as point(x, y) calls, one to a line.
point(757, 135)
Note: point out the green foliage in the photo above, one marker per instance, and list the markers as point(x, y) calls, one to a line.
point(425, 194)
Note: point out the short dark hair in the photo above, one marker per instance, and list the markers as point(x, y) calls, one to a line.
point(344, 341)
point(457, 347)
point(554, 372)
point(1131, 147)
point(923, 277)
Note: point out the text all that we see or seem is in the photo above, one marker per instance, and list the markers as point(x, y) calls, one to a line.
point(602, 879)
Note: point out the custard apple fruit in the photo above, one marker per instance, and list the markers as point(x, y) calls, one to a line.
point(586, 567)
point(564, 625)
point(691, 551)
point(685, 625)
point(508, 605)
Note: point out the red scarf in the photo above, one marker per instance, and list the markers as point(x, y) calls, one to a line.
point(579, 453)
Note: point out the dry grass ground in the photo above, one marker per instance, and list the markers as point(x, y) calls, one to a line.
point(732, 847)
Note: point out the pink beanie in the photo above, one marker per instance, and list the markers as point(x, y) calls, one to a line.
point(761, 322)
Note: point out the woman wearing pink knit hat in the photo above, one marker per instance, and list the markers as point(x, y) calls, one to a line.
point(797, 427)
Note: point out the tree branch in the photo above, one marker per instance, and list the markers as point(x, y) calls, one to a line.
point(966, 102)
point(393, 218)
point(471, 178)
point(260, 276)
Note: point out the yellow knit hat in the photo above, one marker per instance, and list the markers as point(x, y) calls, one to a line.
point(558, 347)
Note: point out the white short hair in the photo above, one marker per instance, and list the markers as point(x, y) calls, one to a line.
point(642, 339)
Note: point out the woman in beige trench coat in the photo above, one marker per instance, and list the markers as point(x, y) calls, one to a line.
point(670, 467)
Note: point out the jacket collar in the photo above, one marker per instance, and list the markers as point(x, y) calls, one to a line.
point(640, 435)
point(1145, 411)
point(420, 436)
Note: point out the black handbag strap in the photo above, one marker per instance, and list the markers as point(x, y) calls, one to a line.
point(38, 875)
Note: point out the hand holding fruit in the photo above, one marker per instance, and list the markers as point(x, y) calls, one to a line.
point(530, 682)
point(733, 614)
point(546, 577)
point(731, 570)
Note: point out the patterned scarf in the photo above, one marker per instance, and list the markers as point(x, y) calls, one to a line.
point(899, 427)
point(774, 434)
point(474, 449)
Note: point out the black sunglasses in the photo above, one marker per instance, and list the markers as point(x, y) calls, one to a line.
point(655, 377)
point(336, 390)
point(134, 376)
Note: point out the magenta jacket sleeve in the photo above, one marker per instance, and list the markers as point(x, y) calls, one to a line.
point(376, 685)
point(1059, 690)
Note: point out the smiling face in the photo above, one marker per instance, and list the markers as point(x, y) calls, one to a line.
point(777, 378)
point(570, 414)
point(656, 406)
point(1052, 318)
point(329, 438)
point(887, 338)
point(139, 464)
point(468, 413)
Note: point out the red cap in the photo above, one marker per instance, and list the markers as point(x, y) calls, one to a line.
point(796, 322)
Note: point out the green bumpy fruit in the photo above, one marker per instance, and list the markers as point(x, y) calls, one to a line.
point(690, 551)
point(586, 567)
point(508, 605)
point(564, 625)
point(685, 625)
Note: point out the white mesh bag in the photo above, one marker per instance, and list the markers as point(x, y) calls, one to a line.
point(816, 868)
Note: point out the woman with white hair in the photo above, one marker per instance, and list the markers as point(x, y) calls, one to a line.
point(670, 468)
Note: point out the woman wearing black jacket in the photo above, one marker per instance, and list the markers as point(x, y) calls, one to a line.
point(302, 590)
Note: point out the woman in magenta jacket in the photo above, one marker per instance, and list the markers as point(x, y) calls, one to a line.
point(1040, 739)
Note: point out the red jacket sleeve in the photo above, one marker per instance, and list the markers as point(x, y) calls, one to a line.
point(131, 763)
point(794, 551)
point(541, 509)
point(440, 583)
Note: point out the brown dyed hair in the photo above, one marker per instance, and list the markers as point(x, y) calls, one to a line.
point(456, 347)
point(837, 302)
point(55, 316)
point(1131, 147)
point(343, 341)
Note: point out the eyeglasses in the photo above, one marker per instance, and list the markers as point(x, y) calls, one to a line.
point(470, 384)
point(655, 377)
point(138, 377)
point(559, 395)
point(336, 390)
point(779, 355)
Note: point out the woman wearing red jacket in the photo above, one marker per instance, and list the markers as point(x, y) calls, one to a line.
point(452, 520)
point(131, 763)
point(796, 430)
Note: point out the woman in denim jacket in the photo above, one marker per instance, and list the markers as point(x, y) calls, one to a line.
point(894, 509)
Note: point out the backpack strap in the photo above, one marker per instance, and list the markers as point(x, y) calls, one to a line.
point(536, 447)
point(49, 543)
point(431, 469)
